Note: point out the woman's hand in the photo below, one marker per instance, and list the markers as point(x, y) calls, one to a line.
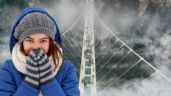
point(38, 67)
point(32, 69)
point(45, 69)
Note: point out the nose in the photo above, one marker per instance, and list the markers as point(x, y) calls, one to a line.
point(36, 46)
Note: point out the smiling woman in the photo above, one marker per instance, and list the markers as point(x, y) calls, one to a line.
point(37, 66)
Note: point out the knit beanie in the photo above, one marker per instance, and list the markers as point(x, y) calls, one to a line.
point(34, 23)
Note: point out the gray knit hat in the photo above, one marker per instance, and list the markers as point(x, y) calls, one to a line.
point(33, 23)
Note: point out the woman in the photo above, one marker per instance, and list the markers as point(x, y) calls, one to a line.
point(37, 66)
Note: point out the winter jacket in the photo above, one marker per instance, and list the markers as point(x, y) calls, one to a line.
point(11, 82)
point(13, 72)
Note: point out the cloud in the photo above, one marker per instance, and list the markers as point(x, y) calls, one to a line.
point(65, 12)
point(150, 30)
point(154, 86)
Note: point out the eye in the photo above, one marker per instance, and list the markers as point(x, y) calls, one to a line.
point(43, 41)
point(29, 40)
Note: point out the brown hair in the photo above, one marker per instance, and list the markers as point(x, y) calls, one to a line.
point(54, 51)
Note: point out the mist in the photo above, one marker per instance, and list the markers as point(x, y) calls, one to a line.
point(148, 28)
point(65, 11)
point(8, 17)
point(152, 30)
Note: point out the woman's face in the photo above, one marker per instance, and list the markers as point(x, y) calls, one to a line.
point(36, 41)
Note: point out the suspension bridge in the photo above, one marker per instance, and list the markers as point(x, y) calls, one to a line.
point(103, 60)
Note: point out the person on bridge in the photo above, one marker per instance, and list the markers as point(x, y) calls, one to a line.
point(37, 66)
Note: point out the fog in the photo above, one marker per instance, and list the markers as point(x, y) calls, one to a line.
point(150, 29)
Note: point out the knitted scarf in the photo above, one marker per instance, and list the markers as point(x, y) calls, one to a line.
point(19, 61)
